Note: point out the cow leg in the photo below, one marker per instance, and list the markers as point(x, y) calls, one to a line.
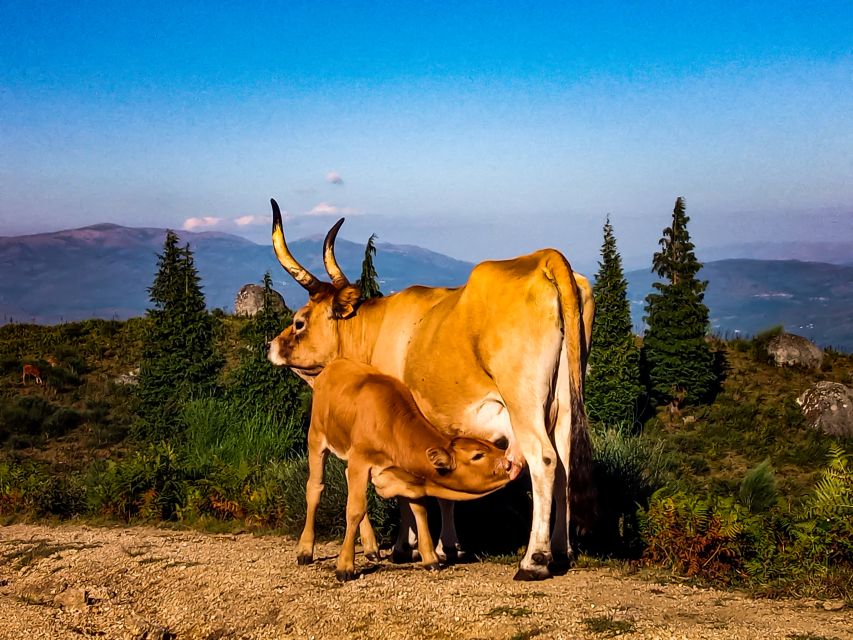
point(368, 540)
point(541, 458)
point(425, 543)
point(357, 478)
point(561, 549)
point(313, 490)
point(404, 547)
point(448, 549)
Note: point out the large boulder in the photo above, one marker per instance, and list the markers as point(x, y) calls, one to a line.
point(250, 300)
point(828, 407)
point(789, 350)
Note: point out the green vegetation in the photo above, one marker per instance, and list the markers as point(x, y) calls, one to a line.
point(613, 387)
point(607, 627)
point(677, 360)
point(178, 356)
point(369, 280)
point(737, 491)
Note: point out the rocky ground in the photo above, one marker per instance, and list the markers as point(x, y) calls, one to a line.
point(76, 581)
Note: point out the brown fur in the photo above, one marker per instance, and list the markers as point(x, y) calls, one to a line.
point(32, 371)
point(372, 421)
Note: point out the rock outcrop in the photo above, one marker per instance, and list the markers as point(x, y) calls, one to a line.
point(828, 407)
point(789, 350)
point(250, 299)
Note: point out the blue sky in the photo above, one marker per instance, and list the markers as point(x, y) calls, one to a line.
point(479, 129)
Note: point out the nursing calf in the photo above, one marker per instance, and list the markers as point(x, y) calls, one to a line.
point(371, 420)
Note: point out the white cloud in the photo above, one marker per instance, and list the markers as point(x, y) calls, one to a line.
point(328, 209)
point(243, 221)
point(333, 177)
point(205, 221)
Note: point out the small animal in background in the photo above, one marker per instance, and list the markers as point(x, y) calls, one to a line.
point(32, 371)
point(52, 361)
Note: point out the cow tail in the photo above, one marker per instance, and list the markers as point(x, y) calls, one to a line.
point(581, 487)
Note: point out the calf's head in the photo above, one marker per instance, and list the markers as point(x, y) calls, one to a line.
point(313, 340)
point(471, 465)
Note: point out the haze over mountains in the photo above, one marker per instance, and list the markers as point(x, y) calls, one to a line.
point(104, 271)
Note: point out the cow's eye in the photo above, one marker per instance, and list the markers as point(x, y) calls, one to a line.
point(477, 456)
point(298, 325)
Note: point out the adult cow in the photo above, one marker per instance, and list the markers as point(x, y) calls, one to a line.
point(500, 358)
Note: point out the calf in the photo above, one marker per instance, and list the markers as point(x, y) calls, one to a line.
point(32, 371)
point(371, 420)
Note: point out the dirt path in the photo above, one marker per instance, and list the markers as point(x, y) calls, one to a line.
point(77, 581)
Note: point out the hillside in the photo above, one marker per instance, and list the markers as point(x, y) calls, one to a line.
point(104, 270)
point(812, 299)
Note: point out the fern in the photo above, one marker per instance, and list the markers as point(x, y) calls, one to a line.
point(833, 493)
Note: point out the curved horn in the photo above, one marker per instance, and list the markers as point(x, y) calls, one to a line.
point(299, 273)
point(339, 280)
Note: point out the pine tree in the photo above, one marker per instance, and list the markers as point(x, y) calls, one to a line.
point(613, 385)
point(369, 280)
point(178, 359)
point(677, 360)
point(257, 385)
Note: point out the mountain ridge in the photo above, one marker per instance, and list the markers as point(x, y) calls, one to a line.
point(104, 270)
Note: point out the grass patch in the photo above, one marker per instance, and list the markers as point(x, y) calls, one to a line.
point(38, 550)
point(809, 636)
point(512, 612)
point(607, 626)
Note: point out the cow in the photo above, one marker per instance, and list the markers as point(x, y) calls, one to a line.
point(500, 358)
point(371, 420)
point(32, 371)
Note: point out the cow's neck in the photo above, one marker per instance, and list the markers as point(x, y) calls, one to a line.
point(358, 335)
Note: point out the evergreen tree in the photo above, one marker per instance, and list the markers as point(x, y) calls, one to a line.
point(369, 280)
point(257, 385)
point(178, 358)
point(677, 360)
point(613, 385)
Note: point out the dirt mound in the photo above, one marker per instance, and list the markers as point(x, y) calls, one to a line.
point(77, 581)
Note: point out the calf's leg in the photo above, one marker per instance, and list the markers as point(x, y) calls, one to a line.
point(313, 490)
point(357, 477)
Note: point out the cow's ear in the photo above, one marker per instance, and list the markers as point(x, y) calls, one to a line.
point(441, 459)
point(346, 301)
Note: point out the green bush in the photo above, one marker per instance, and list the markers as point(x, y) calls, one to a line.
point(758, 489)
point(149, 485)
point(219, 430)
point(627, 471)
point(30, 489)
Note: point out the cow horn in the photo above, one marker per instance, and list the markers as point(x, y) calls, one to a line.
point(339, 280)
point(299, 273)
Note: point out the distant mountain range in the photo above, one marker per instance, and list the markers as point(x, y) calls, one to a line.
point(104, 271)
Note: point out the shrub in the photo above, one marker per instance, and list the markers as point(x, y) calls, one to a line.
point(627, 471)
point(148, 485)
point(28, 488)
point(758, 488)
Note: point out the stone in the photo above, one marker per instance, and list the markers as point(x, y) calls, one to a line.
point(828, 407)
point(250, 299)
point(789, 350)
point(72, 599)
point(131, 377)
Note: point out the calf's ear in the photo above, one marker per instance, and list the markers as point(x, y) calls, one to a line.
point(346, 302)
point(441, 459)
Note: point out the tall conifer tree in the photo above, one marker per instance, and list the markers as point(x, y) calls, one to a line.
point(369, 280)
point(613, 385)
point(256, 384)
point(178, 359)
point(677, 360)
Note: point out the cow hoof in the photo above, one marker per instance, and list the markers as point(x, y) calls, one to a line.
point(373, 556)
point(433, 566)
point(532, 575)
point(346, 575)
point(452, 555)
point(405, 556)
point(303, 559)
point(560, 565)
